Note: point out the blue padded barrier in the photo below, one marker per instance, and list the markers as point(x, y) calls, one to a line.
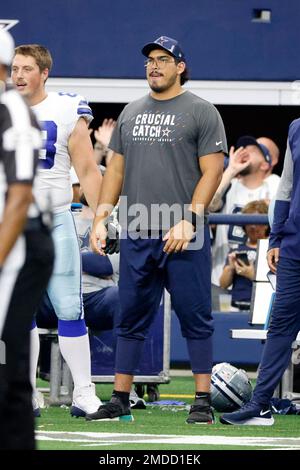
point(226, 349)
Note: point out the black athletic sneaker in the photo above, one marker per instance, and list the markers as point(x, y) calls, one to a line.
point(201, 412)
point(114, 410)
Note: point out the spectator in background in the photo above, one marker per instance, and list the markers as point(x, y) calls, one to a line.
point(102, 136)
point(101, 152)
point(239, 270)
point(100, 277)
point(244, 180)
point(271, 177)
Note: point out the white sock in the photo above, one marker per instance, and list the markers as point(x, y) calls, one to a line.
point(76, 352)
point(34, 355)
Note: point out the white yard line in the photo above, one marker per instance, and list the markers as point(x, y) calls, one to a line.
point(101, 439)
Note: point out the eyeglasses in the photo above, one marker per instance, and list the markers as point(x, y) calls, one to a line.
point(160, 61)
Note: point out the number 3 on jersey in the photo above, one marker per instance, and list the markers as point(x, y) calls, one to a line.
point(47, 153)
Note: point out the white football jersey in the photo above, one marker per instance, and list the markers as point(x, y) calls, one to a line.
point(57, 115)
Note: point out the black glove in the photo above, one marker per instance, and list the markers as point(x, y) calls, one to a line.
point(112, 240)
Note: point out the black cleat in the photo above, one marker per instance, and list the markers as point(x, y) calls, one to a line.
point(114, 410)
point(201, 412)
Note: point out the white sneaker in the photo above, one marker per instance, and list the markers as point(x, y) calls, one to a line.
point(85, 401)
point(135, 401)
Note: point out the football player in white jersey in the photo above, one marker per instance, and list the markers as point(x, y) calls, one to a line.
point(64, 118)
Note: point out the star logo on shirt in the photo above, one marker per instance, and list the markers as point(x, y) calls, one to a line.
point(166, 132)
point(84, 240)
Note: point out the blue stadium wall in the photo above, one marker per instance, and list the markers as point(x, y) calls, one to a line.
point(223, 39)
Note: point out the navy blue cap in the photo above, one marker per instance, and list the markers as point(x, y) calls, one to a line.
point(167, 44)
point(249, 140)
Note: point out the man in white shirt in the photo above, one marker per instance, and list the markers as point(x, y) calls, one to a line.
point(244, 180)
point(64, 118)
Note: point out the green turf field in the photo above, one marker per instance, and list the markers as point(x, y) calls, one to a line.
point(160, 428)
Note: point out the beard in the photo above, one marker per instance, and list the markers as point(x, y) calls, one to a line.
point(246, 171)
point(161, 88)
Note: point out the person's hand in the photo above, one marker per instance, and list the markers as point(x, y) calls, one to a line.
point(104, 132)
point(245, 270)
point(273, 258)
point(178, 237)
point(238, 160)
point(112, 240)
point(232, 260)
point(98, 237)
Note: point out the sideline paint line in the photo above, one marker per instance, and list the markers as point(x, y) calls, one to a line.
point(167, 395)
point(92, 439)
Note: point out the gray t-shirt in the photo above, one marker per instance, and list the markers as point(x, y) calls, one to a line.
point(161, 141)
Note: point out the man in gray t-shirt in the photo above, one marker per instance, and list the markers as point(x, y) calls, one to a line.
point(167, 163)
point(161, 141)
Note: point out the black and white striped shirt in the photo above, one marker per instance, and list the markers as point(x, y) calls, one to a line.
point(20, 139)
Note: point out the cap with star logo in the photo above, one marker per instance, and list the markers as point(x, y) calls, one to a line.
point(167, 44)
point(246, 140)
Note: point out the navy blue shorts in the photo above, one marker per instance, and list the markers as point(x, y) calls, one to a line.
point(144, 272)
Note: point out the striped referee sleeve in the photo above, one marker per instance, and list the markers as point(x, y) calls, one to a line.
point(21, 139)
